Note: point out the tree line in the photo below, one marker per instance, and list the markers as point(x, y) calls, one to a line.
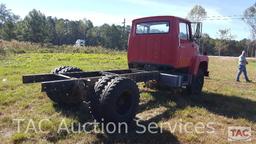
point(224, 47)
point(37, 28)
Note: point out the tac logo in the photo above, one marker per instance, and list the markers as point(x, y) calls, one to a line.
point(239, 133)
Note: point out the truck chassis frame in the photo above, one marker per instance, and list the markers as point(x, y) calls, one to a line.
point(89, 78)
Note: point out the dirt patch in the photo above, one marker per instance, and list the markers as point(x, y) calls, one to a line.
point(7, 133)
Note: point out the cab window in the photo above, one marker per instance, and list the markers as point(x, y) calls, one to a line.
point(184, 31)
point(152, 27)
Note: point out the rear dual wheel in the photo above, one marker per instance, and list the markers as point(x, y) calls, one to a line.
point(116, 99)
point(94, 104)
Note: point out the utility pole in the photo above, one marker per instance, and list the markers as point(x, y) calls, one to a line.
point(124, 22)
point(123, 34)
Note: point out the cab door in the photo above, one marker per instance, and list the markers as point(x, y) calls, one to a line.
point(186, 45)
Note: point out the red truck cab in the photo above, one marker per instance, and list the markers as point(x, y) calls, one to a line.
point(166, 43)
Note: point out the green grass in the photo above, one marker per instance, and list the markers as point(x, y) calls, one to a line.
point(19, 137)
point(224, 102)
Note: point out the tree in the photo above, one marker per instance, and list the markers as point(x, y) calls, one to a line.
point(253, 48)
point(20, 31)
point(225, 34)
point(115, 37)
point(7, 23)
point(8, 30)
point(249, 17)
point(224, 37)
point(60, 30)
point(36, 27)
point(51, 31)
point(72, 32)
point(6, 15)
point(105, 34)
point(88, 25)
point(209, 44)
point(110, 36)
point(197, 13)
point(93, 36)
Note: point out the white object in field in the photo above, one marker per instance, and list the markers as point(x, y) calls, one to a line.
point(80, 42)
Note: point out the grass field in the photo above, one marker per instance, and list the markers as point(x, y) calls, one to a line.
point(224, 103)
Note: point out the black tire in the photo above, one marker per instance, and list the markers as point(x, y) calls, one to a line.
point(94, 99)
point(101, 83)
point(65, 69)
point(197, 84)
point(58, 69)
point(65, 94)
point(119, 100)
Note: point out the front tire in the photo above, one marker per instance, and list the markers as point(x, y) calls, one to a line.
point(197, 84)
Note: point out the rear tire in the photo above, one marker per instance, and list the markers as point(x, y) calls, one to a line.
point(119, 100)
point(65, 69)
point(65, 94)
point(58, 69)
point(94, 99)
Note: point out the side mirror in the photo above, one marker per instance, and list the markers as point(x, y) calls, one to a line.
point(196, 29)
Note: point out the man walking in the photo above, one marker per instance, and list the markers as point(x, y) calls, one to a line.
point(242, 67)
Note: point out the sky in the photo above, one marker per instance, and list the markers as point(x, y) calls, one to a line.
point(114, 11)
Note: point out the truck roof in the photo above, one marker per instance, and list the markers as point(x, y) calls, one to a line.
point(155, 18)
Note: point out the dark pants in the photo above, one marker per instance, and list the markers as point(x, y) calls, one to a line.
point(242, 69)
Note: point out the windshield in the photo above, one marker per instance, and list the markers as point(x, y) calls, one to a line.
point(152, 27)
